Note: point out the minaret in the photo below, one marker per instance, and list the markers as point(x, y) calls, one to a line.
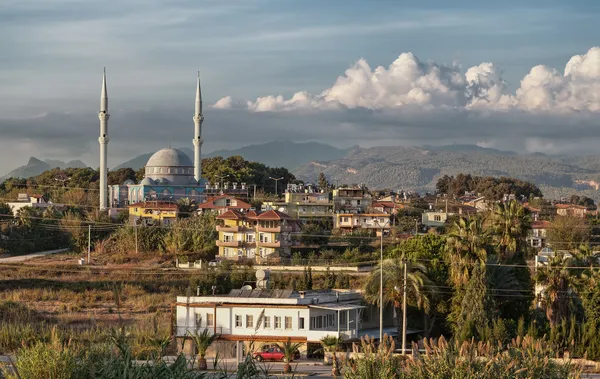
point(103, 140)
point(198, 118)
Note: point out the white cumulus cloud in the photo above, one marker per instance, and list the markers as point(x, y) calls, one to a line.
point(410, 83)
point(223, 103)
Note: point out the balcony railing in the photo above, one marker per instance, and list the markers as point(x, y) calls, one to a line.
point(231, 228)
point(277, 229)
point(229, 243)
point(185, 330)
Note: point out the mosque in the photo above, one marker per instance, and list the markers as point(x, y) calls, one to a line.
point(169, 173)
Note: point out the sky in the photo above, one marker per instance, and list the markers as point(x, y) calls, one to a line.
point(515, 75)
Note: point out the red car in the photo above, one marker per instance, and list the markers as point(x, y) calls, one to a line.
point(272, 354)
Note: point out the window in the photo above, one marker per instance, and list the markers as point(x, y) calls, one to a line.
point(238, 321)
point(288, 322)
point(249, 321)
point(344, 219)
point(225, 251)
point(277, 322)
point(267, 323)
point(210, 319)
point(437, 218)
point(301, 323)
point(198, 320)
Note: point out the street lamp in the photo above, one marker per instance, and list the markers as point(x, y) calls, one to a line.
point(276, 180)
point(221, 180)
point(381, 282)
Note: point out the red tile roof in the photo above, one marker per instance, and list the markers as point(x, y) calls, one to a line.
point(273, 215)
point(231, 214)
point(210, 203)
point(569, 206)
point(542, 224)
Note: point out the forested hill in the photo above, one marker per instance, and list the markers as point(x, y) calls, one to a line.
point(414, 168)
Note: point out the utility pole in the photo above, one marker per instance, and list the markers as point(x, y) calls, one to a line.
point(404, 311)
point(416, 227)
point(89, 243)
point(135, 231)
point(381, 291)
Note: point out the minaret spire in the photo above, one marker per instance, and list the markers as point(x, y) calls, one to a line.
point(198, 118)
point(103, 141)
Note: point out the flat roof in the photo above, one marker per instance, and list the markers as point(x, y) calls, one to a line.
point(338, 306)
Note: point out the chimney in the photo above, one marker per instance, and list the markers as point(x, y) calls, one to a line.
point(302, 294)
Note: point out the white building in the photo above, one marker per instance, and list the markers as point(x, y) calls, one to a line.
point(33, 201)
point(278, 315)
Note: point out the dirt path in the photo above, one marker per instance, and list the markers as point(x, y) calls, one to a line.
point(21, 258)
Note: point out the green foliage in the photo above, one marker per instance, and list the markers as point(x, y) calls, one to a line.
point(568, 233)
point(121, 175)
point(195, 234)
point(491, 187)
point(240, 170)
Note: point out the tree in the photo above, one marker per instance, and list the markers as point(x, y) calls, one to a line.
point(557, 298)
point(510, 225)
point(313, 234)
point(322, 182)
point(5, 210)
point(202, 341)
point(568, 232)
point(121, 175)
point(289, 349)
point(331, 344)
point(417, 286)
point(467, 245)
point(186, 207)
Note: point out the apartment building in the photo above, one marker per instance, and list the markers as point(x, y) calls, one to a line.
point(351, 200)
point(255, 236)
point(349, 223)
point(303, 205)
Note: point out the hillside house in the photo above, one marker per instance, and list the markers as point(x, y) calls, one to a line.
point(538, 233)
point(349, 223)
point(351, 200)
point(303, 205)
point(33, 201)
point(255, 236)
point(153, 213)
point(572, 210)
point(223, 203)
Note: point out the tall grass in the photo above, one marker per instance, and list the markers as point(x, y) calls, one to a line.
point(523, 358)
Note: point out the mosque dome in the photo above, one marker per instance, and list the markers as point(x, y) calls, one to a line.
point(169, 167)
point(169, 157)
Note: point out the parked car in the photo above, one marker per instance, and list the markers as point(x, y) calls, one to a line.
point(272, 353)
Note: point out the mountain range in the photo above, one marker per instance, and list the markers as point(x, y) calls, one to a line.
point(397, 167)
point(418, 168)
point(36, 166)
point(274, 154)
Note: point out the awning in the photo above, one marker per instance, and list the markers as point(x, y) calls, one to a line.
point(338, 306)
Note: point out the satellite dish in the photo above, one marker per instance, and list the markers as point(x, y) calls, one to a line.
point(247, 287)
point(260, 274)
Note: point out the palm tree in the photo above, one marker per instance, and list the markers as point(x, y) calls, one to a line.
point(510, 225)
point(467, 245)
point(331, 344)
point(289, 350)
point(557, 298)
point(417, 284)
point(202, 341)
point(186, 207)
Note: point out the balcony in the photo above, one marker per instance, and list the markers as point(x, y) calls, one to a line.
point(318, 334)
point(182, 331)
point(231, 229)
point(229, 243)
point(277, 229)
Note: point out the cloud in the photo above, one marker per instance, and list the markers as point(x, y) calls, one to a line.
point(223, 103)
point(408, 82)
